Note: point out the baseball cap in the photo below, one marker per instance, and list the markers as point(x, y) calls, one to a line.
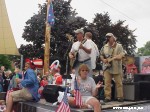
point(79, 31)
point(109, 35)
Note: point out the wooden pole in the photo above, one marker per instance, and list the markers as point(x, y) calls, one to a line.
point(47, 42)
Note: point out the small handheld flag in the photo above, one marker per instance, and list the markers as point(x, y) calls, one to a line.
point(78, 98)
point(64, 106)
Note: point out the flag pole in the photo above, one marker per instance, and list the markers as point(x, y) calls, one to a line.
point(47, 41)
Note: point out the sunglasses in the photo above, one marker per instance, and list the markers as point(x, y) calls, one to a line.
point(84, 70)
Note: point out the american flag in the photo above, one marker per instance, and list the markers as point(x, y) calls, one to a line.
point(51, 19)
point(78, 98)
point(64, 106)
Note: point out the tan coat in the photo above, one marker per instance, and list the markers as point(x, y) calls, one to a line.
point(116, 65)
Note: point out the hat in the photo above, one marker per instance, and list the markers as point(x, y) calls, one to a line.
point(79, 31)
point(109, 35)
point(55, 65)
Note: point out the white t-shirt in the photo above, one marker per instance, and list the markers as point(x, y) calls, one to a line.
point(86, 87)
point(82, 55)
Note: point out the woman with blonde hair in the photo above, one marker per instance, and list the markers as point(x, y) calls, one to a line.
point(88, 90)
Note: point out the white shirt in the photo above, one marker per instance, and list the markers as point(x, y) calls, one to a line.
point(82, 55)
point(94, 54)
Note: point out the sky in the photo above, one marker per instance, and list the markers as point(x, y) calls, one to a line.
point(135, 12)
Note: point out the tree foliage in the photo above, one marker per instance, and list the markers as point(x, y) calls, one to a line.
point(66, 21)
point(5, 61)
point(144, 51)
point(102, 24)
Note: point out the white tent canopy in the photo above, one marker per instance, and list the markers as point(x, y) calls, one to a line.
point(7, 41)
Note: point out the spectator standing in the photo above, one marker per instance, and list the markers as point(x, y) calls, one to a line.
point(95, 52)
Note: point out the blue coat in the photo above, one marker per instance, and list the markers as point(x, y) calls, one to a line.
point(30, 82)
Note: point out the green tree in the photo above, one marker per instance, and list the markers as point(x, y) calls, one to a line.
point(5, 61)
point(15, 60)
point(144, 51)
point(66, 21)
point(102, 24)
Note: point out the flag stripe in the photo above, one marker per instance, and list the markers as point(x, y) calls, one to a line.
point(64, 106)
point(78, 98)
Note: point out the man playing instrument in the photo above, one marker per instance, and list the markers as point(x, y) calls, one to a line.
point(83, 49)
point(112, 51)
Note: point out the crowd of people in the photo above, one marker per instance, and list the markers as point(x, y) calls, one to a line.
point(29, 85)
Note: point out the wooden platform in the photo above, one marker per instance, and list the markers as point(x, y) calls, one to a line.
point(43, 106)
point(108, 105)
point(37, 107)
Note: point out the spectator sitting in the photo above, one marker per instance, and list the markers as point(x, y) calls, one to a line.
point(55, 71)
point(29, 89)
point(49, 77)
point(88, 89)
point(44, 81)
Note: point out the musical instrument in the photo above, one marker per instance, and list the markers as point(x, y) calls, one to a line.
point(74, 60)
point(108, 64)
point(71, 39)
